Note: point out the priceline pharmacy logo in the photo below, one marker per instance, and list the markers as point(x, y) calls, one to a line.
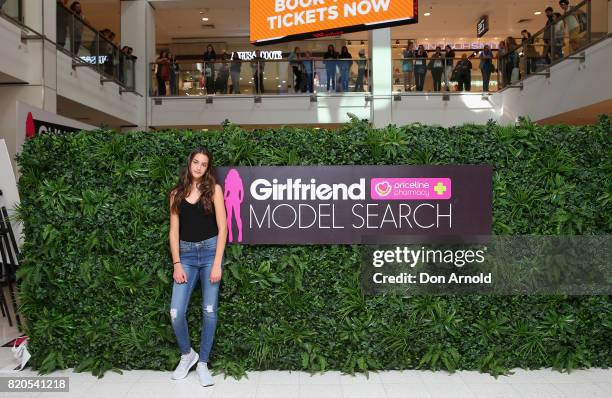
point(410, 188)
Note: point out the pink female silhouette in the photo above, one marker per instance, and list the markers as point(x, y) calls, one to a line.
point(233, 194)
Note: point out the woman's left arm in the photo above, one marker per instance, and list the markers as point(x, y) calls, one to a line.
point(219, 203)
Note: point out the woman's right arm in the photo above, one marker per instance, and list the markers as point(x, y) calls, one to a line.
point(178, 274)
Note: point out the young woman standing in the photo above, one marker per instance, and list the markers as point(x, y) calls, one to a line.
point(436, 65)
point(408, 66)
point(420, 67)
point(198, 233)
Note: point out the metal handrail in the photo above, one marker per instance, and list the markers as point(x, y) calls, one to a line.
point(40, 36)
point(522, 47)
point(248, 61)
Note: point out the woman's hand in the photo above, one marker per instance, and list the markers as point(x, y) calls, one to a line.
point(215, 273)
point(179, 274)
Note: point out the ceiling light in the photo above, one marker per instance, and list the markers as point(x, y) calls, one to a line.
point(427, 14)
point(537, 13)
point(204, 19)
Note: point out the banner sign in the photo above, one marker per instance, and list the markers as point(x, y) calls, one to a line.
point(482, 26)
point(344, 204)
point(32, 120)
point(273, 21)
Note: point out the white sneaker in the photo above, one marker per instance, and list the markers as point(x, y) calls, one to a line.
point(206, 378)
point(187, 361)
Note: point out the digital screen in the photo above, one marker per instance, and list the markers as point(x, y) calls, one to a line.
point(275, 21)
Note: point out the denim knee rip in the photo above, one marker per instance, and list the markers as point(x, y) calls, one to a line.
point(209, 310)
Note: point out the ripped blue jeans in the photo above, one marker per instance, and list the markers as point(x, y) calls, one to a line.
point(197, 261)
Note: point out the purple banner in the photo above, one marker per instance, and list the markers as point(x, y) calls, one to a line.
point(344, 204)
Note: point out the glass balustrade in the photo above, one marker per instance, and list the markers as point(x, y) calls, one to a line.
point(562, 37)
point(87, 45)
point(437, 74)
point(12, 9)
point(273, 77)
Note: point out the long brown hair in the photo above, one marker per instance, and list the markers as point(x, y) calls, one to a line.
point(206, 186)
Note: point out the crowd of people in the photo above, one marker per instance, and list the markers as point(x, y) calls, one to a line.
point(539, 52)
point(70, 24)
point(507, 62)
point(448, 71)
point(221, 72)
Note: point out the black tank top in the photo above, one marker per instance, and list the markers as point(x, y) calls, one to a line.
point(195, 224)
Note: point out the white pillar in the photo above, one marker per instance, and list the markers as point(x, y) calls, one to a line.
point(40, 89)
point(381, 77)
point(40, 16)
point(138, 32)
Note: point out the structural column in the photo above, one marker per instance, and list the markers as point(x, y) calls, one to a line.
point(39, 88)
point(381, 76)
point(138, 32)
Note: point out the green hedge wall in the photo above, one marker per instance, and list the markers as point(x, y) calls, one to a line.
point(96, 272)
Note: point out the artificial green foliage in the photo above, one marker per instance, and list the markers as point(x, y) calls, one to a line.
point(96, 274)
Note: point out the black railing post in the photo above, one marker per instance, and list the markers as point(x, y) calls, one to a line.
point(589, 16)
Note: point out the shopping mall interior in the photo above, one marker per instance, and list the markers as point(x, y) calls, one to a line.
point(165, 66)
point(124, 88)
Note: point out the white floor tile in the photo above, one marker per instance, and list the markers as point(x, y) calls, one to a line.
point(109, 389)
point(250, 378)
point(190, 390)
point(400, 376)
point(537, 376)
point(320, 391)
point(443, 377)
point(454, 390)
point(155, 376)
point(278, 377)
point(537, 390)
point(491, 390)
point(125, 376)
point(544, 383)
point(474, 376)
point(76, 389)
point(412, 390)
point(277, 391)
point(153, 390)
point(331, 377)
point(235, 391)
point(576, 376)
point(363, 391)
point(599, 375)
point(582, 390)
point(360, 378)
point(607, 387)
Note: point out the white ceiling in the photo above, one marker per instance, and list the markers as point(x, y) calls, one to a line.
point(177, 19)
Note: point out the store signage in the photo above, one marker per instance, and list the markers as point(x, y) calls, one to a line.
point(460, 46)
point(273, 21)
point(91, 59)
point(249, 55)
point(346, 204)
point(482, 26)
point(32, 121)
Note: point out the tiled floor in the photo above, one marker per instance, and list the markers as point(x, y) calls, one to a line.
point(592, 383)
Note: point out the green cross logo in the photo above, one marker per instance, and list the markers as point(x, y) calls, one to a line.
point(440, 188)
